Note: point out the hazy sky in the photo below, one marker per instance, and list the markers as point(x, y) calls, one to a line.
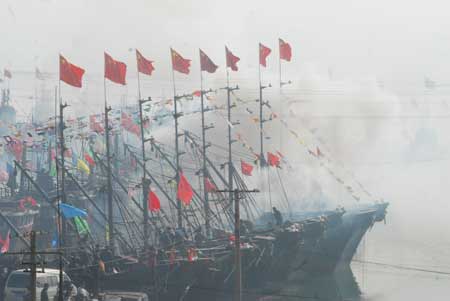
point(385, 38)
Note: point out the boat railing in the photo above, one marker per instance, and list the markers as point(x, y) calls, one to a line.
point(5, 192)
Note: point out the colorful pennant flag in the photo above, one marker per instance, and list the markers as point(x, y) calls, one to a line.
point(89, 159)
point(82, 225)
point(154, 204)
point(246, 168)
point(70, 211)
point(184, 193)
point(273, 159)
point(209, 186)
point(5, 242)
point(81, 165)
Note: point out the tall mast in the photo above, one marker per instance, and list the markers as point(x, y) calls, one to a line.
point(145, 182)
point(204, 146)
point(230, 140)
point(63, 176)
point(109, 181)
point(177, 152)
point(282, 83)
point(262, 160)
point(205, 172)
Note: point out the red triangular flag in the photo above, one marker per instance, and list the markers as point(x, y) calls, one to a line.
point(231, 60)
point(153, 202)
point(115, 71)
point(272, 159)
point(209, 186)
point(5, 243)
point(246, 168)
point(206, 64)
point(285, 50)
point(69, 73)
point(184, 192)
point(263, 54)
point(144, 66)
point(89, 159)
point(197, 93)
point(179, 63)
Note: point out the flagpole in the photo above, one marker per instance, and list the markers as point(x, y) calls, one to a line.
point(138, 80)
point(279, 64)
point(109, 181)
point(177, 174)
point(261, 158)
point(59, 223)
point(205, 172)
point(281, 93)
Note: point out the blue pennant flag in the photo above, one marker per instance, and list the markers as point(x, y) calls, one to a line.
point(70, 211)
point(55, 239)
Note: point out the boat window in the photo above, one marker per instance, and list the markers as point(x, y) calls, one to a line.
point(19, 280)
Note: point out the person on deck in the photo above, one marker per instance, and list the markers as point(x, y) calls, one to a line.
point(278, 217)
point(44, 293)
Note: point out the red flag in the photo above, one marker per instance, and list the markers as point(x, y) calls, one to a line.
point(89, 159)
point(263, 54)
point(179, 63)
point(197, 93)
point(246, 168)
point(231, 60)
point(69, 73)
point(184, 192)
point(144, 66)
point(318, 152)
point(209, 186)
point(5, 243)
point(206, 64)
point(285, 50)
point(7, 73)
point(153, 202)
point(115, 71)
point(273, 160)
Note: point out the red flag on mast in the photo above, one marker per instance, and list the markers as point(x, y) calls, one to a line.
point(153, 202)
point(273, 160)
point(179, 63)
point(209, 186)
point(231, 60)
point(263, 54)
point(144, 66)
point(69, 73)
point(206, 64)
point(184, 192)
point(285, 50)
point(5, 243)
point(115, 71)
point(246, 168)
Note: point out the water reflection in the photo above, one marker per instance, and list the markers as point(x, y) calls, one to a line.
point(339, 286)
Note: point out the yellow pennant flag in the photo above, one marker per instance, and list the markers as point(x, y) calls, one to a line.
point(83, 167)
